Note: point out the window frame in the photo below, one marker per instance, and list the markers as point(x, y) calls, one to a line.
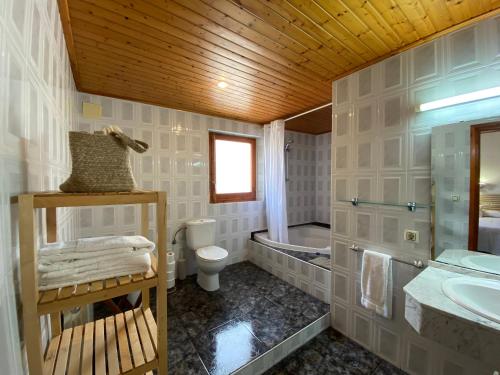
point(231, 197)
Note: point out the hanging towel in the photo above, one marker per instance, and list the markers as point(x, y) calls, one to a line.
point(376, 283)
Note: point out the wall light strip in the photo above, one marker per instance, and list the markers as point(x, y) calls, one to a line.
point(460, 99)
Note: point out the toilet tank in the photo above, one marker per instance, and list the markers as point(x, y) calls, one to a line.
point(200, 233)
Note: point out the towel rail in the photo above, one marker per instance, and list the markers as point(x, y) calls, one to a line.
point(416, 263)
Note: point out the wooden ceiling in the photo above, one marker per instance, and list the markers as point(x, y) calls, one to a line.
point(315, 122)
point(278, 57)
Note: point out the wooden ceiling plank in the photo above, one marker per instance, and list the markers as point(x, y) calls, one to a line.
point(244, 86)
point(331, 25)
point(459, 10)
point(377, 25)
point(181, 23)
point(182, 91)
point(119, 93)
point(245, 34)
point(438, 12)
point(267, 14)
point(355, 25)
point(109, 26)
point(233, 41)
point(416, 15)
point(308, 32)
point(249, 21)
point(85, 23)
point(297, 18)
point(104, 81)
point(123, 49)
point(68, 35)
point(128, 69)
point(394, 16)
point(316, 122)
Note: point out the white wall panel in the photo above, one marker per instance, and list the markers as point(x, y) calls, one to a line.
point(38, 108)
point(398, 147)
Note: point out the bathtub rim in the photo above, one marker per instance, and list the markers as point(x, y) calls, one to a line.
point(314, 250)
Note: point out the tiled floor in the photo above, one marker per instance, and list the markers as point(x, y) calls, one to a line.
point(332, 353)
point(221, 331)
point(218, 332)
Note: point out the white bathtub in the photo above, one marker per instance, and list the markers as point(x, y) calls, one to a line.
point(306, 238)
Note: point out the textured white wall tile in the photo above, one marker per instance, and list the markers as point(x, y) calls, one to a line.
point(177, 162)
point(381, 151)
point(38, 96)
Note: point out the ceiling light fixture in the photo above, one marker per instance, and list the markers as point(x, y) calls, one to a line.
point(222, 84)
point(460, 99)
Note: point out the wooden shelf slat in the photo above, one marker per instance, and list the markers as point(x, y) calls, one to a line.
point(121, 343)
point(99, 348)
point(58, 199)
point(54, 300)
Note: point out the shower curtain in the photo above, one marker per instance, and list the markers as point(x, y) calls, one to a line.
point(274, 181)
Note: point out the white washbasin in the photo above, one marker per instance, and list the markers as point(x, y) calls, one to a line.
point(487, 263)
point(481, 296)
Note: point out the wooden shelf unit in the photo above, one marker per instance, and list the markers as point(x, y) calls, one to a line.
point(127, 343)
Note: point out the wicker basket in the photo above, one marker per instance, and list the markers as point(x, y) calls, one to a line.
point(101, 162)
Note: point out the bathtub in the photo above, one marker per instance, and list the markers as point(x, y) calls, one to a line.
point(307, 238)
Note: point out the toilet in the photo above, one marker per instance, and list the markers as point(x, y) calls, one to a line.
point(211, 259)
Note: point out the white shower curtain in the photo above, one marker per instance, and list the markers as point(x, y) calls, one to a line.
point(275, 185)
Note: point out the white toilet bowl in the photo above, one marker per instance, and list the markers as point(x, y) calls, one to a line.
point(211, 260)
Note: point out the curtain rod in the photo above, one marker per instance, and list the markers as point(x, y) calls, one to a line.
point(306, 112)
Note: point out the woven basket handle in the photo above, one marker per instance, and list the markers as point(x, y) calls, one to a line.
point(134, 144)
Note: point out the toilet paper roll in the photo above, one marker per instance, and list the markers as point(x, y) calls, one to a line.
point(170, 283)
point(170, 257)
point(170, 274)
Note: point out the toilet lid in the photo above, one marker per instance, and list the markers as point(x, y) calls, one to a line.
point(211, 253)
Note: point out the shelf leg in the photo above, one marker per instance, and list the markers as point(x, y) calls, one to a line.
point(55, 324)
point(161, 290)
point(29, 283)
point(145, 232)
point(51, 221)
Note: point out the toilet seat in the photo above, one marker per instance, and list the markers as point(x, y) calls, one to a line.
point(211, 253)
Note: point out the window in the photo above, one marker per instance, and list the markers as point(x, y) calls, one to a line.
point(232, 168)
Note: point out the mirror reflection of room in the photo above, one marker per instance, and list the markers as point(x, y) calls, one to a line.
point(488, 239)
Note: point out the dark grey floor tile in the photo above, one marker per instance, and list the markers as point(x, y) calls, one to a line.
point(332, 353)
point(270, 322)
point(228, 347)
point(385, 368)
point(190, 365)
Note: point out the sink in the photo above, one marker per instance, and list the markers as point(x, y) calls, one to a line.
point(486, 263)
point(481, 296)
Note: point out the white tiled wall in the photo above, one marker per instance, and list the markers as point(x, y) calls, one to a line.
point(312, 279)
point(308, 185)
point(37, 95)
point(323, 143)
point(381, 151)
point(177, 162)
point(301, 184)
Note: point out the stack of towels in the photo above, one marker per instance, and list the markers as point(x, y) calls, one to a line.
point(89, 259)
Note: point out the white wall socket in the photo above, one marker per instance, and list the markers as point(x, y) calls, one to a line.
point(411, 235)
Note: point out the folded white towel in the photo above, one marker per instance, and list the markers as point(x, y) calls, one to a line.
point(49, 264)
point(139, 262)
point(91, 247)
point(376, 283)
point(64, 278)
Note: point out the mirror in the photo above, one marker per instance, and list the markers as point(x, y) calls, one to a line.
point(466, 195)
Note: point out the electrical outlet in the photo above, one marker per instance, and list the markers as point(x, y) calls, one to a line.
point(411, 235)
